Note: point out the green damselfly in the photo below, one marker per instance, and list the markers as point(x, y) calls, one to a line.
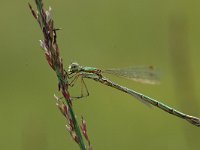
point(146, 76)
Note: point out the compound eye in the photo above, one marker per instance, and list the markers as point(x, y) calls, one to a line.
point(71, 68)
point(74, 68)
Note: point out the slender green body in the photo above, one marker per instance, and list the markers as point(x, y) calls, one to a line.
point(93, 73)
point(145, 99)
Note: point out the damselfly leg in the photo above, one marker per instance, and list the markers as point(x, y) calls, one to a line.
point(75, 78)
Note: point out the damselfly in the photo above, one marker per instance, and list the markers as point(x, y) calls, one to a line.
point(142, 75)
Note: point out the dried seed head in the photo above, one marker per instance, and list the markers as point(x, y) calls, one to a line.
point(43, 46)
point(84, 131)
point(49, 15)
point(33, 12)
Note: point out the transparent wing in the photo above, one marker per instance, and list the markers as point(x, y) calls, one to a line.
point(140, 74)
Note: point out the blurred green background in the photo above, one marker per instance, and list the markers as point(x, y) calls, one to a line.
point(103, 34)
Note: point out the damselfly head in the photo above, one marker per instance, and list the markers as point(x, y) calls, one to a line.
point(74, 67)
